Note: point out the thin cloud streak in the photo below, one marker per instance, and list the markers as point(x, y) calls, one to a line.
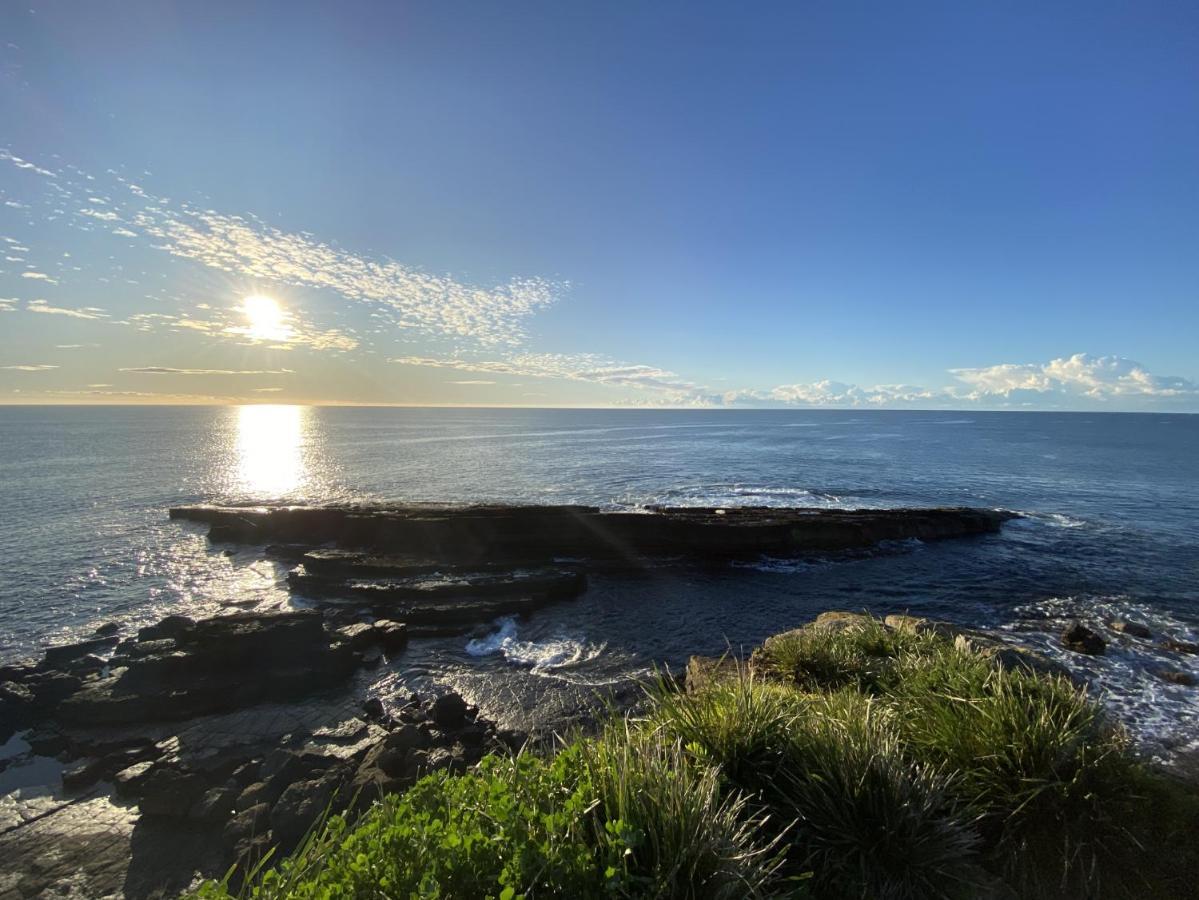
point(167, 370)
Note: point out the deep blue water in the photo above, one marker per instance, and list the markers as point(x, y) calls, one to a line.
point(1112, 527)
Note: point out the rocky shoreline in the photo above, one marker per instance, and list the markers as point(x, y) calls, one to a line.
point(193, 744)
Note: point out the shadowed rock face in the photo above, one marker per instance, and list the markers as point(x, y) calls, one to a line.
point(514, 534)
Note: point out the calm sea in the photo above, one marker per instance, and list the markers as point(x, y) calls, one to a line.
point(1111, 527)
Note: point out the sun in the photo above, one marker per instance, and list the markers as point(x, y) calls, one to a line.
point(268, 321)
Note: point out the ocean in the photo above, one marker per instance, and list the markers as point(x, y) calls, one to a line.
point(1110, 529)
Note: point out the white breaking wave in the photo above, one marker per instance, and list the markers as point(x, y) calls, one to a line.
point(1127, 678)
point(540, 656)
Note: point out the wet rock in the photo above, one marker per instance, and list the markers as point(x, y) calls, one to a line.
point(519, 534)
point(108, 629)
point(373, 709)
point(216, 665)
point(390, 636)
point(449, 710)
point(16, 707)
point(57, 657)
point(1176, 676)
point(1080, 639)
point(51, 688)
point(1132, 628)
point(47, 741)
point(1180, 646)
point(169, 628)
point(359, 635)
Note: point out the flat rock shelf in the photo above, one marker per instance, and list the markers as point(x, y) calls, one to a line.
point(496, 535)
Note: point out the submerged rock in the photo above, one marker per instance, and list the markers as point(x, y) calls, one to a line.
point(1080, 639)
point(1132, 628)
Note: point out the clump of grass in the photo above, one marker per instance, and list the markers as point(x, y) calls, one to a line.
point(871, 822)
point(863, 819)
point(861, 655)
point(1049, 776)
point(683, 836)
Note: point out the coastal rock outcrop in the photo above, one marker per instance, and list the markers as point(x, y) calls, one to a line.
point(1080, 639)
point(512, 535)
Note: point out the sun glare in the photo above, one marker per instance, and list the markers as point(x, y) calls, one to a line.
point(268, 321)
point(270, 439)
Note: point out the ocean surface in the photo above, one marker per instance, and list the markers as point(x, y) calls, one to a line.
point(1110, 529)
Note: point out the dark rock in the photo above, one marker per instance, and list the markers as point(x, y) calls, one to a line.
point(1132, 628)
point(57, 657)
point(170, 792)
point(128, 782)
point(472, 735)
point(216, 806)
point(359, 635)
point(248, 824)
point(449, 710)
point(82, 774)
point(216, 665)
point(169, 628)
point(512, 738)
point(85, 664)
point(51, 688)
point(520, 534)
point(1179, 646)
point(19, 672)
point(374, 710)
point(299, 808)
point(407, 737)
point(258, 792)
point(1176, 676)
point(390, 636)
point(108, 629)
point(1080, 639)
point(46, 740)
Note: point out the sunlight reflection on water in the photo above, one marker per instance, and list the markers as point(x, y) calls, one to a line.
point(270, 449)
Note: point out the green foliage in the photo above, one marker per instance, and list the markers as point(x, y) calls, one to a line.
point(862, 655)
point(863, 762)
point(685, 836)
point(864, 819)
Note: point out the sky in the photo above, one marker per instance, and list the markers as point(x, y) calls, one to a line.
point(918, 205)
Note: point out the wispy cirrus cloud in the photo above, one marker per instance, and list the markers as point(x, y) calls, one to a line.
point(42, 367)
point(169, 370)
point(585, 367)
point(86, 312)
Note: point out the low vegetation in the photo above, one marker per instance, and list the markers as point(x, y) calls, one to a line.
point(855, 761)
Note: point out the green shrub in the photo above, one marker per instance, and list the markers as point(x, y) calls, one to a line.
point(515, 825)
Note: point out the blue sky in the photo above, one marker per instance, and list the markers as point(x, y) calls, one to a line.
point(929, 204)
